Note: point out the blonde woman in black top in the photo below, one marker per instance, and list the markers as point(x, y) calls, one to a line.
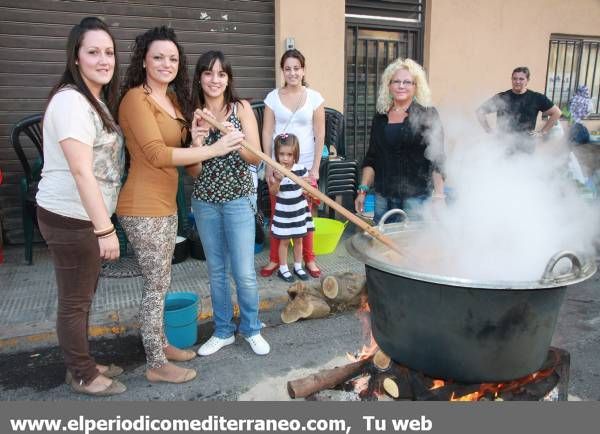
point(406, 145)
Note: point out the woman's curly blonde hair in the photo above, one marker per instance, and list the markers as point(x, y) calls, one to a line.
point(422, 93)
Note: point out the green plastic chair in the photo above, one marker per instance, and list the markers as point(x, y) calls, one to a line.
point(31, 127)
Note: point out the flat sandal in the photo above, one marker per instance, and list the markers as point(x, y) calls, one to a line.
point(182, 355)
point(112, 371)
point(115, 388)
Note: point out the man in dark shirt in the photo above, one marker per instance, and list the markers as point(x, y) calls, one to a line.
point(517, 108)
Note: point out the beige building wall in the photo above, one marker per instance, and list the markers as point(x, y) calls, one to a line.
point(471, 46)
point(318, 28)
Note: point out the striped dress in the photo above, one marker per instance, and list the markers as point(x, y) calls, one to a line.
point(292, 218)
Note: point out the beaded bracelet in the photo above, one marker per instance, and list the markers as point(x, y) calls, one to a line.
point(362, 189)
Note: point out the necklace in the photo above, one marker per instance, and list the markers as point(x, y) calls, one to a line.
point(399, 109)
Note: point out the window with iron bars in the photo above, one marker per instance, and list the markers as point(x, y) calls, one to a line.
point(573, 61)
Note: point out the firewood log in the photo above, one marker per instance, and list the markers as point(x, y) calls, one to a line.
point(298, 288)
point(299, 305)
point(324, 379)
point(304, 305)
point(392, 378)
point(336, 292)
point(295, 309)
point(318, 308)
point(381, 361)
point(391, 387)
point(344, 288)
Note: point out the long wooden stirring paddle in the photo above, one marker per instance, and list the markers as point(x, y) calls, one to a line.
point(371, 230)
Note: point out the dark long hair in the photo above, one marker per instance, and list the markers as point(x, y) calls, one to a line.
point(72, 76)
point(136, 74)
point(206, 63)
point(295, 54)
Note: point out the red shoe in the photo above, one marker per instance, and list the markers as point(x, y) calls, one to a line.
point(314, 273)
point(267, 272)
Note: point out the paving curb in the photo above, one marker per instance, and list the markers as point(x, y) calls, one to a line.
point(114, 324)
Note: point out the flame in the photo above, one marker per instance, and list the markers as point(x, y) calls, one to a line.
point(469, 397)
point(371, 347)
point(494, 389)
point(437, 384)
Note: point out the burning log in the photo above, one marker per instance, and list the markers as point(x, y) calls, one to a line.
point(379, 378)
point(335, 292)
point(325, 379)
point(381, 361)
point(390, 377)
point(390, 386)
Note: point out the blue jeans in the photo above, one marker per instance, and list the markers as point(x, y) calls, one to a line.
point(227, 234)
point(409, 205)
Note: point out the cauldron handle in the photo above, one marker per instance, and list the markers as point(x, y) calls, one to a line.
point(388, 214)
point(575, 271)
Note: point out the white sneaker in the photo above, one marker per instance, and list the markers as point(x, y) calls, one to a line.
point(258, 344)
point(214, 344)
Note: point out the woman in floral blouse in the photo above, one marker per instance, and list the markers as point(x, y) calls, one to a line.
point(223, 203)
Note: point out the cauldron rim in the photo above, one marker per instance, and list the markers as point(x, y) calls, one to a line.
point(357, 246)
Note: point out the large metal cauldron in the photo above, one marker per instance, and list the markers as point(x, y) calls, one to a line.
point(460, 329)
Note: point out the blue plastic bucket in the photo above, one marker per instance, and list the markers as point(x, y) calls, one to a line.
point(181, 318)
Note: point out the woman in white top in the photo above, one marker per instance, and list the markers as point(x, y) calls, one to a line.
point(295, 109)
point(81, 178)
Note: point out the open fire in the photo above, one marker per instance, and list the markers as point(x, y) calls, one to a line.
point(549, 383)
point(372, 375)
point(380, 378)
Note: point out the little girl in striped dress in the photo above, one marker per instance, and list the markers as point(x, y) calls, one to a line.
point(292, 218)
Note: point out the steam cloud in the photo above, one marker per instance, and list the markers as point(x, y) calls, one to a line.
point(511, 211)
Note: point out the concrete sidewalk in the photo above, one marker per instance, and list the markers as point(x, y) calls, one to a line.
point(28, 300)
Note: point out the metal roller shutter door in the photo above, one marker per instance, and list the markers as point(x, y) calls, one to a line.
point(32, 44)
